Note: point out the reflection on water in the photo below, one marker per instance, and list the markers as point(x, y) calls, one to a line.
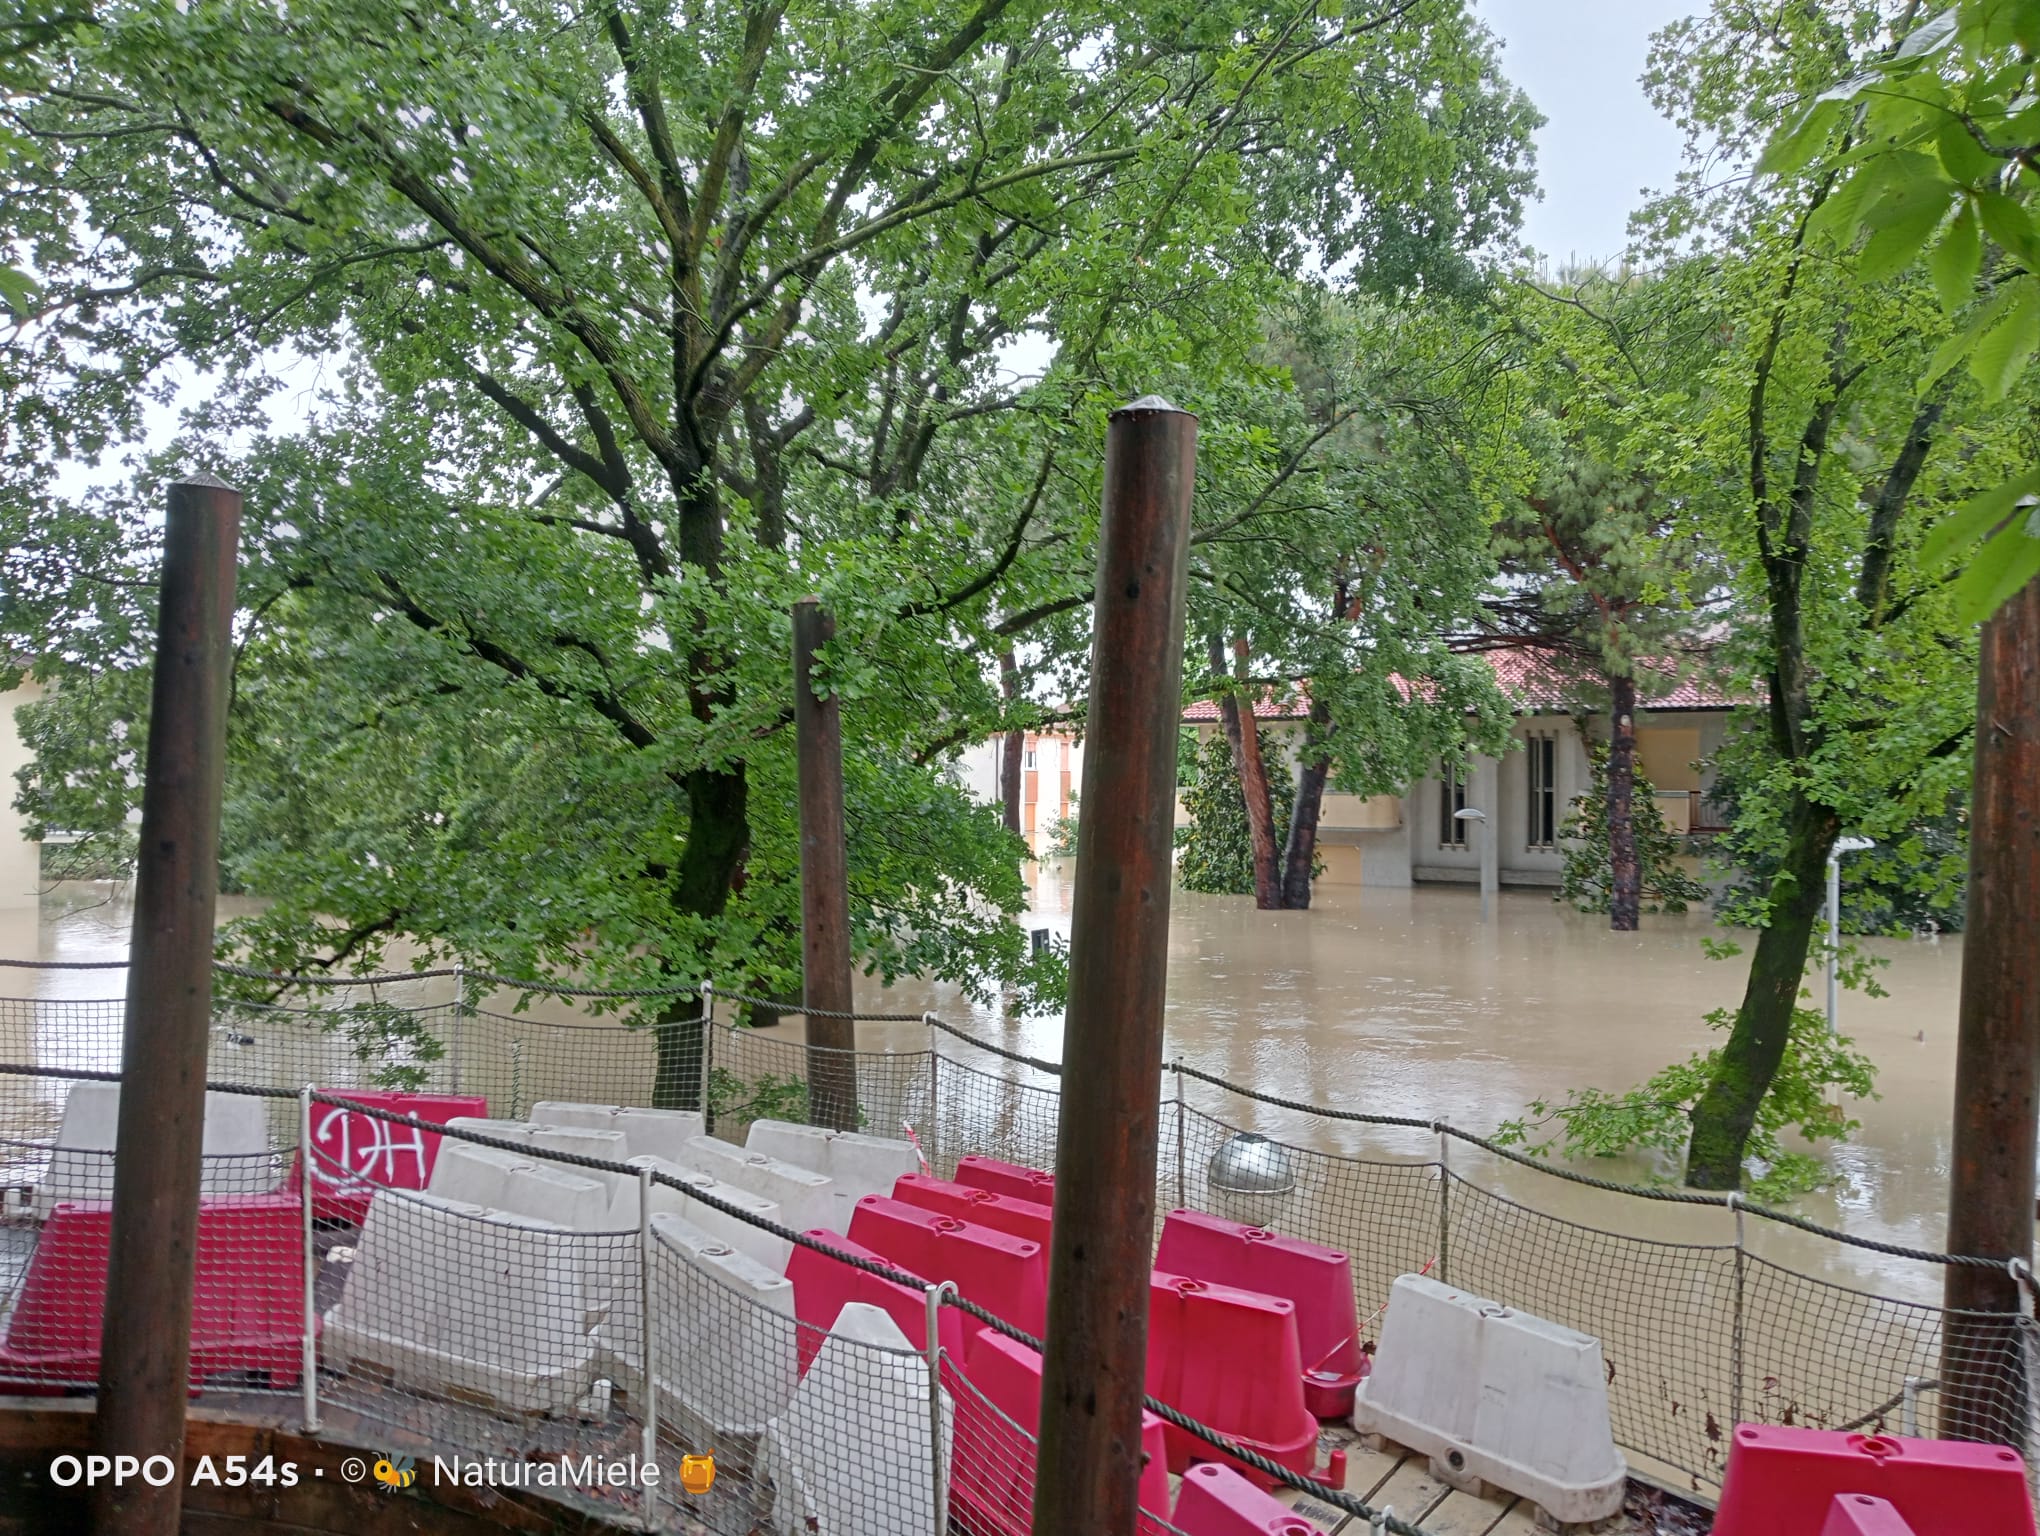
point(1391, 1002)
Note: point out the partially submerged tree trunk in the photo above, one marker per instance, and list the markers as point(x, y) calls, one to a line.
point(1763, 1025)
point(1300, 856)
point(1243, 735)
point(1015, 743)
point(1625, 878)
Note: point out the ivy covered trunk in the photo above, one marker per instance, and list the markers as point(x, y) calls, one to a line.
point(1625, 874)
point(1756, 1045)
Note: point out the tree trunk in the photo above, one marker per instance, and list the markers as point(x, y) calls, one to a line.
point(1301, 853)
point(1015, 743)
point(718, 833)
point(1763, 1025)
point(1625, 879)
point(1984, 1395)
point(1243, 735)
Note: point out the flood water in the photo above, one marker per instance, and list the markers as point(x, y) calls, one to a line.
point(1405, 1003)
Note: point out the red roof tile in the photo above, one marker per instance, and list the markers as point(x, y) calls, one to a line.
point(1527, 677)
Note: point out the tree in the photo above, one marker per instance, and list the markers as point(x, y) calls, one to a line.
point(645, 322)
point(1932, 148)
point(1339, 574)
point(1597, 570)
point(1860, 650)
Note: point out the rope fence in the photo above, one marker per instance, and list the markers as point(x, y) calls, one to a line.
point(647, 1311)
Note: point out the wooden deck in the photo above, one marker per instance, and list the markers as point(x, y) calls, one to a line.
point(1398, 1481)
point(1402, 1483)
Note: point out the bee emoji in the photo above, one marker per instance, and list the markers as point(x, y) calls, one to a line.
point(697, 1473)
point(396, 1471)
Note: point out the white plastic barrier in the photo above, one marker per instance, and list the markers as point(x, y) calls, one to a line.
point(575, 1140)
point(752, 1241)
point(455, 1301)
point(234, 1147)
point(1496, 1396)
point(861, 1165)
point(806, 1199)
point(646, 1132)
point(878, 1481)
point(726, 1347)
point(520, 1186)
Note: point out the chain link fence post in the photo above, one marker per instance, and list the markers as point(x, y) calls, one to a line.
point(647, 1358)
point(707, 1053)
point(1735, 1325)
point(934, 1105)
point(309, 1364)
point(459, 1017)
point(1176, 1067)
point(516, 1079)
point(1444, 1201)
point(935, 1297)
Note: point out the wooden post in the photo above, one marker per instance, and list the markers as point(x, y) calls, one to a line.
point(1997, 1052)
point(1096, 1361)
point(824, 879)
point(145, 1351)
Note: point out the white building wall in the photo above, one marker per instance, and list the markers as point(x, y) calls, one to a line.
point(20, 859)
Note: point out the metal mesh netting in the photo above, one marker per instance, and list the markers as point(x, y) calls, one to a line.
point(514, 1323)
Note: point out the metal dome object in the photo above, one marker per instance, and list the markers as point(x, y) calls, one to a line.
point(1251, 1164)
point(1251, 1180)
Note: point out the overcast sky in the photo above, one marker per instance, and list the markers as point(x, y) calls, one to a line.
point(1602, 143)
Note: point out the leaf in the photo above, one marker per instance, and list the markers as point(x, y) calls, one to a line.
point(2000, 355)
point(1913, 191)
point(1954, 261)
point(1795, 147)
point(2001, 568)
point(1894, 246)
point(1929, 36)
point(1974, 518)
point(1962, 157)
point(2006, 221)
point(17, 289)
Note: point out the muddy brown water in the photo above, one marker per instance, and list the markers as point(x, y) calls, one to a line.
point(1399, 1002)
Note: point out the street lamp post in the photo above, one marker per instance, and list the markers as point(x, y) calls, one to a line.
point(1487, 854)
point(1849, 844)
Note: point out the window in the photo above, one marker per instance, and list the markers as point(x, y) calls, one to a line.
point(1451, 798)
point(1543, 769)
point(1029, 760)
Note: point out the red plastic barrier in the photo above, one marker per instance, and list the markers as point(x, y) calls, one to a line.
point(1002, 1213)
point(357, 1154)
point(1229, 1358)
point(1006, 1275)
point(1783, 1482)
point(247, 1297)
point(821, 1286)
point(1857, 1514)
point(992, 1472)
point(1317, 1279)
point(1217, 1501)
point(1006, 1179)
